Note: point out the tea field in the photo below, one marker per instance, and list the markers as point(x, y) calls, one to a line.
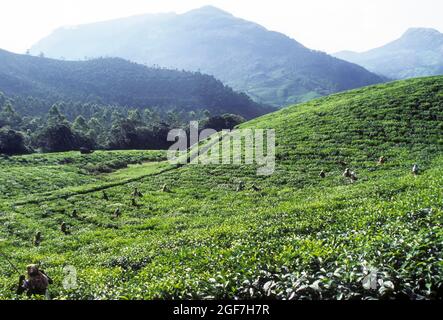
point(291, 235)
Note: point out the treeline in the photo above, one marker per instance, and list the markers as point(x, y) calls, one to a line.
point(74, 126)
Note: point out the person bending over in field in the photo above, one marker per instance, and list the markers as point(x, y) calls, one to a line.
point(241, 186)
point(137, 193)
point(415, 170)
point(350, 174)
point(36, 283)
point(256, 188)
point(64, 228)
point(382, 160)
point(37, 239)
point(117, 213)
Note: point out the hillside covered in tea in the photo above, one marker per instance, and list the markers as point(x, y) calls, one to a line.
point(191, 233)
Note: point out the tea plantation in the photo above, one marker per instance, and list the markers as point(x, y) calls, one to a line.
point(291, 235)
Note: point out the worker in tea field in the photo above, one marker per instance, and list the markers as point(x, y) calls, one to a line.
point(137, 193)
point(37, 239)
point(350, 174)
point(36, 283)
point(64, 228)
point(381, 160)
point(415, 170)
point(117, 213)
point(322, 174)
point(165, 188)
point(256, 188)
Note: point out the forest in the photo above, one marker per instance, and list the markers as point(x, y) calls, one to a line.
point(74, 126)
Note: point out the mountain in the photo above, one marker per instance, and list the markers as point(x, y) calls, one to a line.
point(419, 52)
point(119, 82)
point(269, 66)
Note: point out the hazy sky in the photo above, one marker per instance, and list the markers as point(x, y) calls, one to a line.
point(327, 25)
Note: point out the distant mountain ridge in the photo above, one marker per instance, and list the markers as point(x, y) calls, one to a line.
point(419, 52)
point(269, 66)
point(119, 82)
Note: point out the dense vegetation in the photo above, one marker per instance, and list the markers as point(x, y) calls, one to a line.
point(47, 173)
point(293, 236)
point(96, 127)
point(269, 66)
point(37, 83)
point(417, 53)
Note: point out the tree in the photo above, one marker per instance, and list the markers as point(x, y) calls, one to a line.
point(55, 117)
point(80, 125)
point(116, 116)
point(2, 99)
point(12, 142)
point(151, 117)
point(123, 135)
point(56, 138)
point(135, 116)
point(8, 116)
point(192, 115)
point(31, 123)
point(207, 113)
point(226, 121)
point(173, 119)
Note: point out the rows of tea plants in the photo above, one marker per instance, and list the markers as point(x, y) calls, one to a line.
point(38, 173)
point(203, 239)
point(191, 232)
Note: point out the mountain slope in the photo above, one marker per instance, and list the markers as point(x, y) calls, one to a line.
point(119, 82)
point(419, 52)
point(269, 66)
point(292, 235)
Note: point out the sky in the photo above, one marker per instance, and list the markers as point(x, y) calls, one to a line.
point(326, 25)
